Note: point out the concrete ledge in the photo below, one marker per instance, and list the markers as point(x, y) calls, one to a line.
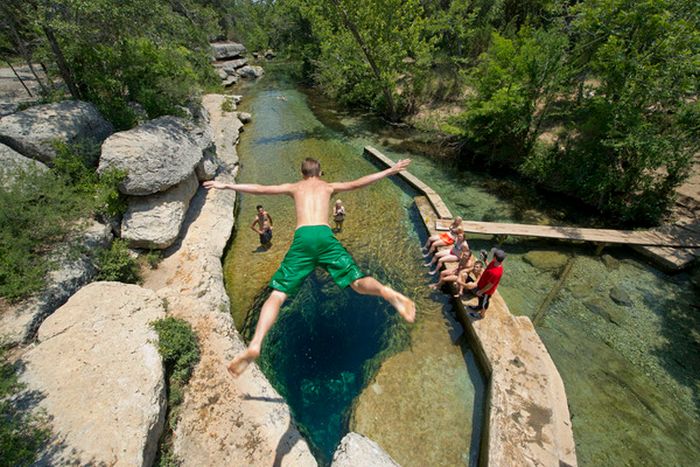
point(527, 419)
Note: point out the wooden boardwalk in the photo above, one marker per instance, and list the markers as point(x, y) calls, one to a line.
point(673, 247)
point(677, 238)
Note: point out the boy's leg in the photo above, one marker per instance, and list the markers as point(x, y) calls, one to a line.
point(371, 286)
point(268, 316)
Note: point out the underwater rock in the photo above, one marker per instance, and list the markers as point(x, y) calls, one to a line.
point(603, 308)
point(579, 291)
point(620, 296)
point(610, 262)
point(545, 260)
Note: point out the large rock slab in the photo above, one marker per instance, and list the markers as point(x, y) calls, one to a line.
point(154, 221)
point(225, 50)
point(19, 323)
point(156, 155)
point(12, 162)
point(355, 449)
point(33, 132)
point(97, 374)
point(250, 72)
point(546, 260)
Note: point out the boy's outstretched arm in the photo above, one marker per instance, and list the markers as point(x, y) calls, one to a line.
point(283, 189)
point(369, 179)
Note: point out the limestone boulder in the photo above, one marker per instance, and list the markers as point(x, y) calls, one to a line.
point(545, 260)
point(75, 267)
point(230, 81)
point(230, 66)
point(12, 162)
point(33, 132)
point(226, 50)
point(156, 155)
point(97, 374)
point(244, 117)
point(221, 73)
point(250, 72)
point(154, 221)
point(355, 449)
point(207, 167)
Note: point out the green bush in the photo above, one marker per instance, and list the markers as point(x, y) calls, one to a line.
point(227, 105)
point(37, 211)
point(116, 264)
point(178, 346)
point(21, 434)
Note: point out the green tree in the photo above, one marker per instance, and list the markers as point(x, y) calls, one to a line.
point(636, 125)
point(370, 53)
point(514, 85)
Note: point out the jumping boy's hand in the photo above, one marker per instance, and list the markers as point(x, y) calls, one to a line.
point(401, 165)
point(212, 184)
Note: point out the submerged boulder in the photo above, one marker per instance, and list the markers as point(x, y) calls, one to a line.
point(97, 374)
point(355, 449)
point(224, 50)
point(606, 310)
point(34, 132)
point(620, 296)
point(156, 155)
point(155, 221)
point(545, 260)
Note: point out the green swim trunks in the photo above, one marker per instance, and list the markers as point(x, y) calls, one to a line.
point(314, 245)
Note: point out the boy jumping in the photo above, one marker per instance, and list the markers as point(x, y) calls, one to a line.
point(314, 245)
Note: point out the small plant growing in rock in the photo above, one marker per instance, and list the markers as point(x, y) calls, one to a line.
point(227, 105)
point(153, 258)
point(117, 264)
point(177, 344)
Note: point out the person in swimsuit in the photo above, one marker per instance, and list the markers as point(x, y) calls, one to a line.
point(448, 256)
point(338, 215)
point(263, 225)
point(314, 245)
point(442, 238)
point(464, 267)
point(467, 281)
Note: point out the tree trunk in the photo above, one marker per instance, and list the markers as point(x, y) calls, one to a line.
point(61, 62)
point(19, 78)
point(23, 51)
point(368, 55)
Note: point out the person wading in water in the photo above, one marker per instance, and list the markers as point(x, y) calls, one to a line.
point(314, 245)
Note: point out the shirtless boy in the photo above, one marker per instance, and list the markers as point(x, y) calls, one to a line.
point(264, 225)
point(314, 245)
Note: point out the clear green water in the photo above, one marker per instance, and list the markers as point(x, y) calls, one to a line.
point(329, 343)
point(631, 371)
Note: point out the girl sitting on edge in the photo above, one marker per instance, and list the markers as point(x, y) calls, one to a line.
point(442, 239)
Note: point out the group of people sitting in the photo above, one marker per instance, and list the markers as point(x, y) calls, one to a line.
point(472, 274)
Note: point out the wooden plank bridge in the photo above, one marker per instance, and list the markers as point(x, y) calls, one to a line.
point(673, 246)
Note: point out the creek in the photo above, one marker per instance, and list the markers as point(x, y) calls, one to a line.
point(624, 335)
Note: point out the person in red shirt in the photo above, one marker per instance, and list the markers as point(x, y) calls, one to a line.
point(488, 283)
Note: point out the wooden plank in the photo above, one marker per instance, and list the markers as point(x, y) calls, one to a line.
point(438, 204)
point(672, 259)
point(630, 237)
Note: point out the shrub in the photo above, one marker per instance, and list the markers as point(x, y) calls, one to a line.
point(21, 435)
point(227, 105)
point(116, 264)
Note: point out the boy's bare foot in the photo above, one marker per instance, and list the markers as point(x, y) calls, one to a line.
point(241, 361)
point(404, 305)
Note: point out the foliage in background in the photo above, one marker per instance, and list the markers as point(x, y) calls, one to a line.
point(177, 344)
point(21, 432)
point(116, 264)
